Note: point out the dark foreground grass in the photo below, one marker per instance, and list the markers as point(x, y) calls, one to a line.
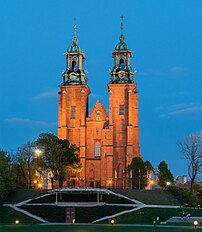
point(149, 215)
point(19, 195)
point(83, 214)
point(93, 228)
point(9, 215)
point(152, 197)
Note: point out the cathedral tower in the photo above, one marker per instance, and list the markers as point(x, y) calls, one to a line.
point(73, 100)
point(123, 112)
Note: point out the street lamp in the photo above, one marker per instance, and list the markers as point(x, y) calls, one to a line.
point(112, 222)
point(168, 183)
point(37, 152)
point(17, 222)
point(195, 224)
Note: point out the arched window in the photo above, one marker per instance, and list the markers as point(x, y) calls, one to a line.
point(121, 109)
point(121, 63)
point(74, 66)
point(98, 115)
point(73, 111)
point(120, 171)
point(97, 149)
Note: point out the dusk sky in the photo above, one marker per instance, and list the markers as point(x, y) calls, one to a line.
point(166, 40)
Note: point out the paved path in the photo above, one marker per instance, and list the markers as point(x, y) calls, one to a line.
point(121, 225)
point(184, 219)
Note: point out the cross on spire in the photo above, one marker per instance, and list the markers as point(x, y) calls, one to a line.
point(74, 27)
point(122, 24)
point(75, 40)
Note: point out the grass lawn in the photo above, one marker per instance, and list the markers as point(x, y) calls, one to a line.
point(83, 214)
point(23, 194)
point(9, 215)
point(148, 215)
point(93, 228)
point(154, 197)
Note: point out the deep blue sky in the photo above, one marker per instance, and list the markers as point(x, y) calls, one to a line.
point(166, 39)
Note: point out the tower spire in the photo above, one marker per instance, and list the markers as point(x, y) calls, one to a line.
point(122, 24)
point(74, 74)
point(122, 38)
point(75, 40)
point(74, 27)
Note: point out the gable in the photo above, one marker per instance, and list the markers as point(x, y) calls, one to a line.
point(98, 113)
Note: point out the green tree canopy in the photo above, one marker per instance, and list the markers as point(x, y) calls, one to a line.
point(164, 175)
point(140, 171)
point(148, 166)
point(6, 182)
point(58, 155)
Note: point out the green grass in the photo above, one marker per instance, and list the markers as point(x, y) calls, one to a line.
point(148, 215)
point(83, 214)
point(93, 228)
point(23, 194)
point(152, 197)
point(9, 215)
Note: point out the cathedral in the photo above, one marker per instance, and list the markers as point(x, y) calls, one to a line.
point(107, 142)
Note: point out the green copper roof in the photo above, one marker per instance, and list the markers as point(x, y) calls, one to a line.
point(122, 45)
point(74, 47)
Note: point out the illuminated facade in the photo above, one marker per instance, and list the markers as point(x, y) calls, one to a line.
point(107, 143)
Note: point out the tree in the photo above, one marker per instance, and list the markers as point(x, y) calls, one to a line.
point(6, 183)
point(48, 143)
point(191, 149)
point(149, 169)
point(59, 156)
point(23, 164)
point(140, 172)
point(67, 159)
point(164, 174)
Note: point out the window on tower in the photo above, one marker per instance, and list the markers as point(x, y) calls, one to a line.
point(74, 66)
point(121, 110)
point(121, 63)
point(97, 149)
point(73, 112)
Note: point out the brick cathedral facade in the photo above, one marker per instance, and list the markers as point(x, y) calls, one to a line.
point(107, 143)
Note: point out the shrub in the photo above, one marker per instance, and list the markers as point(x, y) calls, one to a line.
point(185, 196)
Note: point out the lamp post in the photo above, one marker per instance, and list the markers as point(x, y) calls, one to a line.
point(168, 183)
point(195, 224)
point(17, 222)
point(37, 183)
